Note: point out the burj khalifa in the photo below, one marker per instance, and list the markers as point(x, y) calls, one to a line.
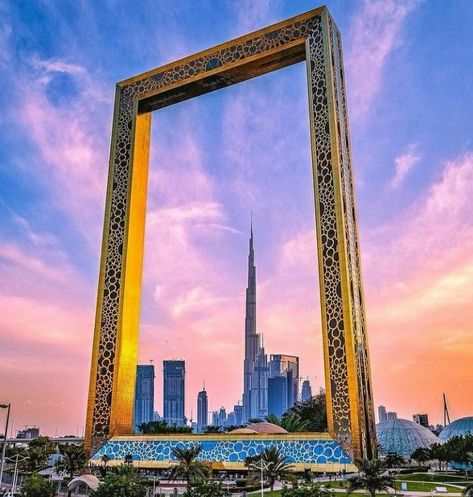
point(255, 365)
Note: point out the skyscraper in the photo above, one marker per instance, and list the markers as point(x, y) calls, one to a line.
point(202, 411)
point(306, 393)
point(144, 396)
point(382, 415)
point(392, 415)
point(238, 410)
point(174, 392)
point(277, 395)
point(222, 417)
point(255, 367)
point(421, 419)
point(288, 367)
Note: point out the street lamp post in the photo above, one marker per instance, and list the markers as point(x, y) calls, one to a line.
point(261, 465)
point(4, 406)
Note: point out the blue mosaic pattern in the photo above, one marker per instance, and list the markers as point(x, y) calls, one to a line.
point(296, 451)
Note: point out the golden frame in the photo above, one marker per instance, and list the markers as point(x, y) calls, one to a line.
point(312, 37)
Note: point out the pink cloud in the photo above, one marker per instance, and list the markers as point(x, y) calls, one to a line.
point(404, 164)
point(73, 154)
point(419, 304)
point(17, 256)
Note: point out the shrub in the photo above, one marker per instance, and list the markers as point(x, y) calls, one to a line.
point(305, 491)
point(37, 486)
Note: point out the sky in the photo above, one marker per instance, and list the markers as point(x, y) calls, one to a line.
point(214, 160)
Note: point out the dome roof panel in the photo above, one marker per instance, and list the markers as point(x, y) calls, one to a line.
point(459, 427)
point(403, 437)
point(266, 428)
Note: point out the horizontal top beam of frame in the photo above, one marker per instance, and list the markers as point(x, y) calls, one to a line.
point(274, 47)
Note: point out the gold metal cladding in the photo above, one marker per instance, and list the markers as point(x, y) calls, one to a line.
point(313, 37)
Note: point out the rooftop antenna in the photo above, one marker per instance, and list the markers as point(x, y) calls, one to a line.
point(446, 415)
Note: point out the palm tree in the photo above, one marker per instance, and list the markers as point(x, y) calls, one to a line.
point(73, 458)
point(371, 477)
point(290, 422)
point(275, 463)
point(189, 468)
point(105, 460)
point(37, 458)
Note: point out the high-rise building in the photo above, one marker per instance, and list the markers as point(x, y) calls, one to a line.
point(215, 418)
point(29, 432)
point(222, 417)
point(392, 415)
point(202, 410)
point(174, 392)
point(231, 419)
point(421, 419)
point(382, 415)
point(286, 366)
point(238, 410)
point(255, 366)
point(144, 396)
point(306, 393)
point(277, 395)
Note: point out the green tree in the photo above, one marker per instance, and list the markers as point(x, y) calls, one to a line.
point(189, 468)
point(37, 486)
point(37, 458)
point(43, 443)
point(457, 449)
point(421, 455)
point(290, 422)
point(274, 462)
point(313, 412)
point(206, 489)
point(440, 452)
point(213, 429)
point(153, 427)
point(123, 481)
point(74, 459)
point(393, 460)
point(37, 453)
point(371, 477)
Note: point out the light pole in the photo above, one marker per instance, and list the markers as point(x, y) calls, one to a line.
point(261, 465)
point(4, 406)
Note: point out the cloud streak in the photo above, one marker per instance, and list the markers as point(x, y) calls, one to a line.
point(374, 33)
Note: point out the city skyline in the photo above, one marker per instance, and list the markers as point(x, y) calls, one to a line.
point(413, 200)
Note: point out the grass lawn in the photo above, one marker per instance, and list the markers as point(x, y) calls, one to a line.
point(434, 477)
point(416, 486)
